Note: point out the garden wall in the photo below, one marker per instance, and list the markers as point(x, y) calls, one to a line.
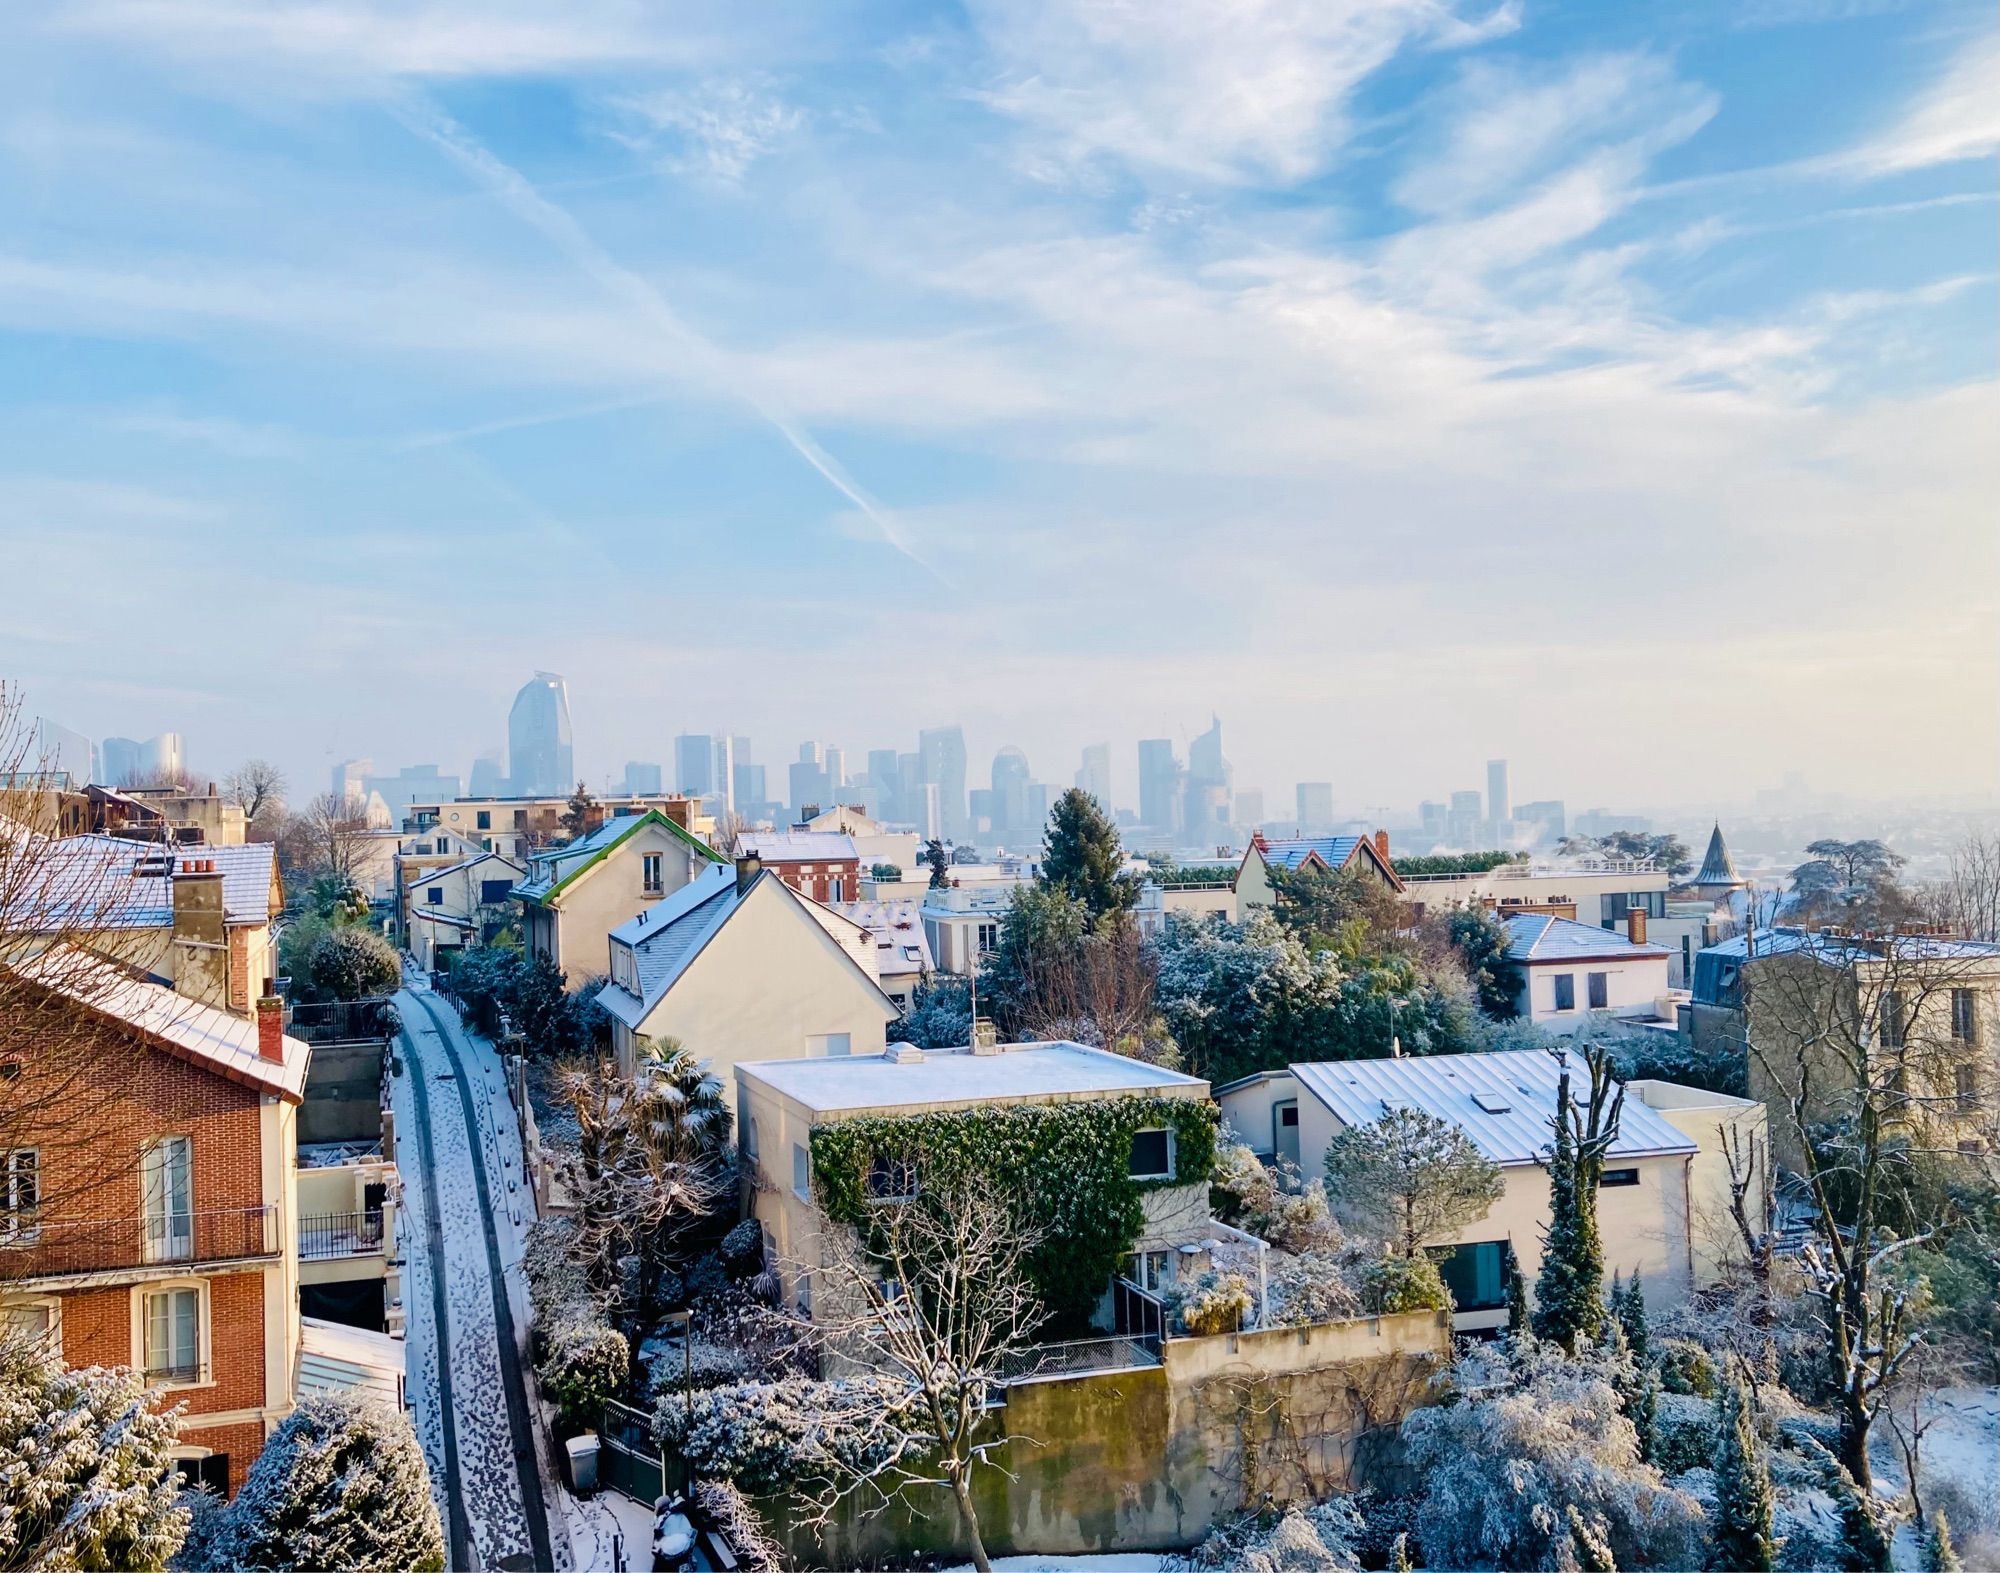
point(1153, 1458)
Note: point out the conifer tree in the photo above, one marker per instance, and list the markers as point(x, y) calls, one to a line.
point(1569, 1294)
point(1081, 856)
point(1940, 1555)
point(1399, 1556)
point(1592, 1549)
point(1630, 1309)
point(1517, 1294)
point(1743, 1501)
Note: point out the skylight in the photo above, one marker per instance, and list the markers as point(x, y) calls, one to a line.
point(1493, 1102)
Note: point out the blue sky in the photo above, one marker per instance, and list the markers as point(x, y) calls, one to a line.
point(1610, 387)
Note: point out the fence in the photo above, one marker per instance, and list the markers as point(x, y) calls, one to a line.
point(325, 1235)
point(628, 1461)
point(1078, 1357)
point(46, 1248)
point(344, 1021)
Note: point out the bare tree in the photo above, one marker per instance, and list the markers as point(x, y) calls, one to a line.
point(258, 786)
point(329, 836)
point(1967, 901)
point(936, 1298)
point(1097, 989)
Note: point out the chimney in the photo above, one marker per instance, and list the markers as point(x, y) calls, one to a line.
point(200, 938)
point(1382, 845)
point(271, 1029)
point(1635, 925)
point(748, 866)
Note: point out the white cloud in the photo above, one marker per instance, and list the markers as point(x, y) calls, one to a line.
point(717, 130)
point(1220, 90)
point(1958, 118)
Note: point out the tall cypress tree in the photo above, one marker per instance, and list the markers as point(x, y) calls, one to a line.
point(1517, 1293)
point(1743, 1499)
point(1940, 1555)
point(1629, 1306)
point(1569, 1294)
point(1081, 856)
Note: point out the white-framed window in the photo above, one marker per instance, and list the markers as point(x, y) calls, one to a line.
point(166, 1191)
point(651, 877)
point(1152, 1271)
point(1152, 1154)
point(20, 1195)
point(988, 937)
point(802, 1173)
point(39, 1318)
point(824, 1044)
point(173, 1332)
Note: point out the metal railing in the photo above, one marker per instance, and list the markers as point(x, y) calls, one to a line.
point(325, 1235)
point(1078, 1357)
point(344, 1021)
point(47, 1248)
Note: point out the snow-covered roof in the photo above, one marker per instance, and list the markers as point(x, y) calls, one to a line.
point(107, 882)
point(1018, 1073)
point(897, 924)
point(1334, 851)
point(1538, 936)
point(551, 870)
point(797, 846)
point(454, 868)
point(335, 1358)
point(1717, 967)
point(221, 1041)
point(1503, 1102)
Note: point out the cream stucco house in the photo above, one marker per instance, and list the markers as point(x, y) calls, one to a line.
point(1568, 970)
point(1656, 1206)
point(459, 905)
point(577, 894)
point(738, 966)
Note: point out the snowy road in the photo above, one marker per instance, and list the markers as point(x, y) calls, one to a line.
point(466, 1212)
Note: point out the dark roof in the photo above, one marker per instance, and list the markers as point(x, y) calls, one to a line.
point(1716, 869)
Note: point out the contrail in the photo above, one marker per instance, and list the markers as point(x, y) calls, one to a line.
point(521, 198)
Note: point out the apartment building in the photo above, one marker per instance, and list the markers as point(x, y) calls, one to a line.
point(516, 826)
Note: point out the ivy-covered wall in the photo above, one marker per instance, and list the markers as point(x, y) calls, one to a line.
point(1065, 1164)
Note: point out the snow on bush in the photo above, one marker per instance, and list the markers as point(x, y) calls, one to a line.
point(340, 1484)
point(771, 1436)
point(1684, 1432)
point(1216, 1302)
point(86, 1479)
point(731, 1513)
point(1501, 1472)
point(1314, 1539)
point(580, 1358)
point(742, 1249)
point(1390, 1285)
point(1270, 1202)
point(1309, 1289)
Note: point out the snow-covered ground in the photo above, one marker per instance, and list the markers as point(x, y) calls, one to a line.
point(1106, 1562)
point(489, 1481)
point(605, 1527)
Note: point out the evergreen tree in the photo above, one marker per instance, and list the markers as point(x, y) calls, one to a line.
point(1409, 1177)
point(1399, 1555)
point(1865, 1532)
point(934, 854)
point(1630, 1309)
point(576, 816)
point(1940, 1555)
point(1081, 856)
point(1569, 1301)
point(1591, 1547)
point(1742, 1536)
point(1637, 1386)
point(340, 1484)
point(1517, 1294)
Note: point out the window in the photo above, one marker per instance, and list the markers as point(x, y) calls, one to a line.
point(40, 1320)
point(892, 1177)
point(650, 876)
point(1600, 989)
point(1152, 1155)
point(435, 896)
point(170, 1330)
point(1152, 1271)
point(1565, 991)
point(1607, 1178)
point(520, 819)
point(1964, 1016)
point(485, 819)
point(20, 1194)
point(493, 892)
point(166, 1188)
point(989, 937)
point(1966, 1087)
point(1893, 1024)
point(830, 1044)
point(1476, 1275)
point(209, 1472)
point(802, 1172)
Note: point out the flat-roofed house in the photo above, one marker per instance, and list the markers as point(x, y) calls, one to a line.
point(1651, 1194)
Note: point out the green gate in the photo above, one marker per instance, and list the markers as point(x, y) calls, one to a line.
point(627, 1460)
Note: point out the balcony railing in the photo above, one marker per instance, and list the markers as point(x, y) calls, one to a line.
point(344, 1021)
point(50, 1249)
point(1079, 1357)
point(326, 1235)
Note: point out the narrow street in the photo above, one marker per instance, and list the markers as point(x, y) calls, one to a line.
point(467, 1213)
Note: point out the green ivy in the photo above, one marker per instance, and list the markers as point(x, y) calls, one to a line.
point(1064, 1164)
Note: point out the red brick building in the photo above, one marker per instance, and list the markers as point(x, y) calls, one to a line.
point(148, 1215)
point(822, 864)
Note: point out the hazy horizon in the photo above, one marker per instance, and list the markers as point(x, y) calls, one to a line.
point(1611, 390)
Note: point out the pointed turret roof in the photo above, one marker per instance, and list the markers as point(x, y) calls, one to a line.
point(1716, 869)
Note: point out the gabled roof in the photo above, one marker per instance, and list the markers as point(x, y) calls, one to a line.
point(185, 1028)
point(1716, 867)
point(1503, 1102)
point(1538, 936)
point(107, 882)
point(666, 938)
point(453, 868)
point(1334, 852)
point(797, 846)
point(554, 870)
point(901, 947)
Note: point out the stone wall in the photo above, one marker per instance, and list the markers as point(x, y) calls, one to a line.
point(1151, 1459)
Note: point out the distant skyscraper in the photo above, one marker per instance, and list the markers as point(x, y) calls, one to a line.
point(725, 772)
point(836, 770)
point(941, 763)
point(540, 760)
point(1205, 811)
point(1095, 776)
point(1461, 824)
point(1010, 789)
point(350, 780)
point(57, 748)
point(1159, 786)
point(694, 764)
point(1315, 804)
point(808, 788)
point(489, 779)
point(749, 793)
point(1546, 816)
point(119, 760)
point(1499, 805)
point(1249, 809)
point(161, 759)
point(811, 753)
point(126, 763)
point(642, 779)
point(1431, 816)
point(411, 784)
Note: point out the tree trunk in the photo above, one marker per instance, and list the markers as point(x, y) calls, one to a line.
point(1854, 1428)
point(962, 1489)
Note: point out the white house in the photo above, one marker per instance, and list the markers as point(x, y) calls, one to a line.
point(1653, 1203)
point(962, 920)
point(459, 905)
point(736, 965)
point(577, 894)
point(874, 843)
point(1570, 970)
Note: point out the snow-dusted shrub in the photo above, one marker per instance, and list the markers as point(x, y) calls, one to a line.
point(1216, 1302)
point(703, 1364)
point(85, 1474)
point(1686, 1367)
point(583, 1365)
point(736, 1520)
point(1807, 1527)
point(1308, 1289)
point(1392, 1284)
point(340, 1484)
point(1501, 1472)
point(1270, 1201)
point(1684, 1432)
point(1315, 1539)
point(742, 1249)
point(771, 1436)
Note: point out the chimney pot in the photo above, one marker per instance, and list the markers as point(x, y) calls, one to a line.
point(748, 866)
point(1382, 845)
point(271, 1030)
point(1635, 925)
